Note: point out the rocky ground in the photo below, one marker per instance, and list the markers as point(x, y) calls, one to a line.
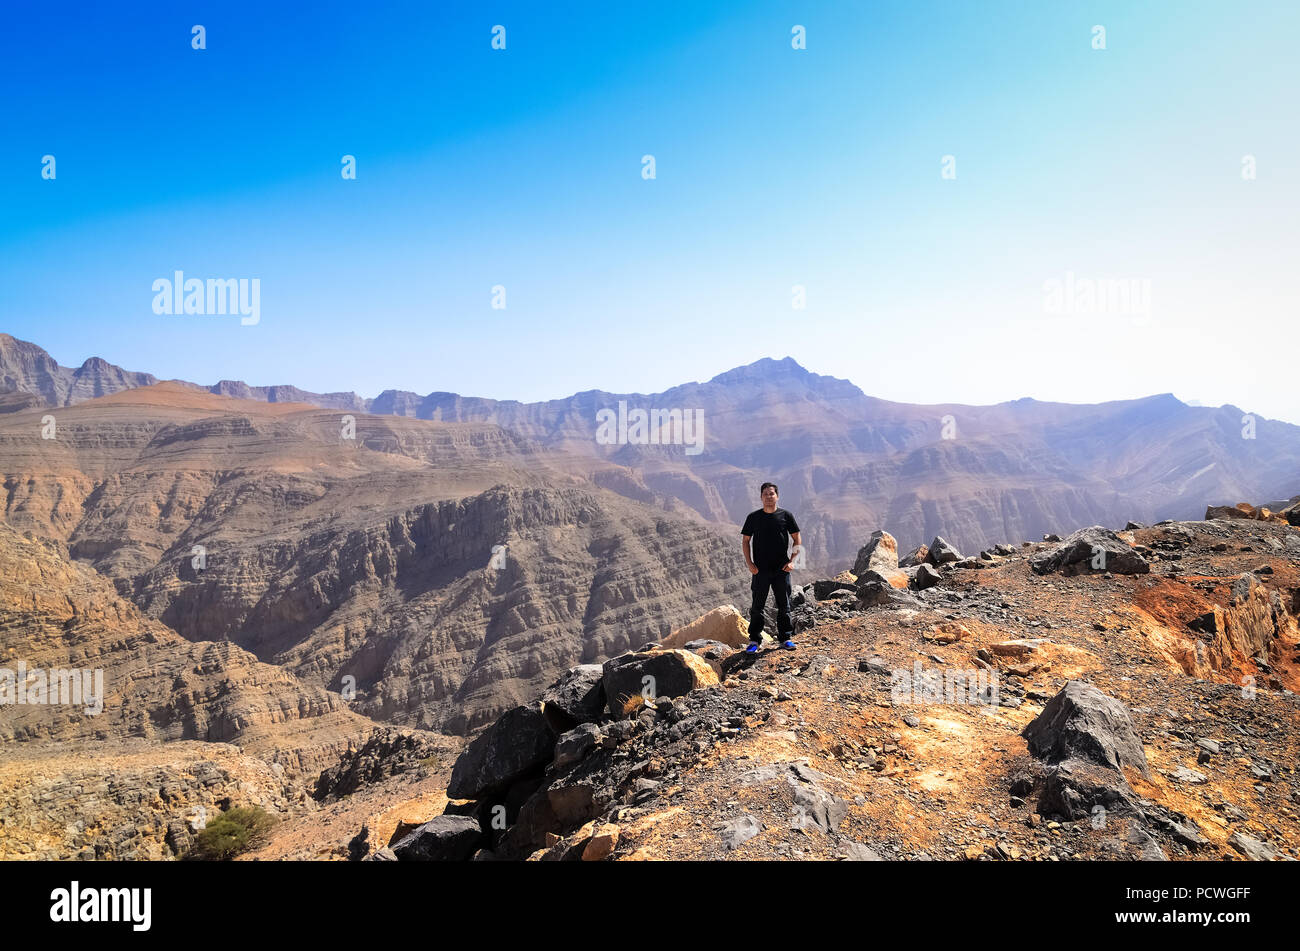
point(1176, 739)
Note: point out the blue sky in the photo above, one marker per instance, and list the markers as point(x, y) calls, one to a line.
point(775, 167)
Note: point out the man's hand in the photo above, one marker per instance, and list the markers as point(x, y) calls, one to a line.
point(787, 566)
point(753, 568)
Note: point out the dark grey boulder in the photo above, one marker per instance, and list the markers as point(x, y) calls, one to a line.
point(926, 577)
point(441, 839)
point(878, 594)
point(875, 593)
point(518, 743)
point(942, 552)
point(577, 743)
point(823, 588)
point(1083, 723)
point(577, 697)
point(1094, 549)
point(672, 673)
point(1074, 788)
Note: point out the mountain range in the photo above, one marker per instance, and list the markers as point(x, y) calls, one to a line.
point(846, 463)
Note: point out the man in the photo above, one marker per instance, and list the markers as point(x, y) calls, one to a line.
point(770, 531)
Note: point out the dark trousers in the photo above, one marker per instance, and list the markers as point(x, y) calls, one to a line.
point(779, 583)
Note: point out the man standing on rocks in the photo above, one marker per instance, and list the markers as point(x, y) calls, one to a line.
point(770, 530)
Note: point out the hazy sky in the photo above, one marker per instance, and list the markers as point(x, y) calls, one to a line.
point(821, 167)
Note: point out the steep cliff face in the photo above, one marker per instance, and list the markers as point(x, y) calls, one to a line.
point(146, 682)
point(364, 563)
point(432, 626)
point(120, 737)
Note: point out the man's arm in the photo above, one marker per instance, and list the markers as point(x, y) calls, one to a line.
point(744, 546)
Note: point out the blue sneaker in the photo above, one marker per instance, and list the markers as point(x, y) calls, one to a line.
point(787, 645)
point(752, 648)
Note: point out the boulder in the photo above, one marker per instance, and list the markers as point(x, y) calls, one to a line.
point(518, 743)
point(673, 673)
point(602, 843)
point(1073, 789)
point(942, 553)
point(894, 577)
point(822, 589)
point(577, 697)
point(577, 743)
point(876, 593)
point(880, 553)
point(725, 624)
point(926, 577)
point(914, 557)
point(1226, 511)
point(1083, 723)
point(441, 839)
point(1091, 549)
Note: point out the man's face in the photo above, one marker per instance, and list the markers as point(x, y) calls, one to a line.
point(769, 497)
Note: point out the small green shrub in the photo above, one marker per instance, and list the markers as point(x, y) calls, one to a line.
point(231, 833)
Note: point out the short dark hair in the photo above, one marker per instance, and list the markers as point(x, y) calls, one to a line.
point(764, 486)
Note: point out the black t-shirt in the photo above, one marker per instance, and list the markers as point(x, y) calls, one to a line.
point(770, 534)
